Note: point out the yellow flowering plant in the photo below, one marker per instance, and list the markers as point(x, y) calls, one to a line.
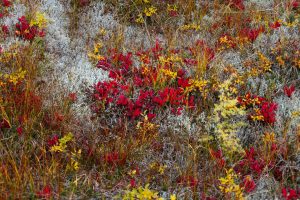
point(15, 77)
point(223, 113)
point(39, 19)
point(74, 164)
point(192, 26)
point(149, 11)
point(62, 145)
point(141, 193)
point(230, 187)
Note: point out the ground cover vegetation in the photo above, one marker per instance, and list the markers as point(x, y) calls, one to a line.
point(148, 99)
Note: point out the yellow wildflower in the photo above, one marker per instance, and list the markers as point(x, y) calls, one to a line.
point(223, 39)
point(230, 187)
point(291, 24)
point(2, 83)
point(150, 11)
point(140, 19)
point(228, 42)
point(295, 113)
point(132, 173)
point(141, 193)
point(171, 8)
point(169, 73)
point(16, 76)
point(297, 62)
point(269, 138)
point(146, 125)
point(39, 20)
point(223, 114)
point(192, 26)
point(145, 70)
point(95, 55)
point(280, 60)
point(97, 47)
point(61, 147)
point(172, 59)
point(74, 165)
point(196, 85)
point(258, 116)
point(265, 62)
point(162, 168)
point(173, 197)
point(102, 31)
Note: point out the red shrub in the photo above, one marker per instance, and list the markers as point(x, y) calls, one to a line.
point(261, 107)
point(289, 90)
point(218, 156)
point(45, 193)
point(115, 158)
point(188, 181)
point(6, 3)
point(84, 2)
point(290, 194)
point(27, 32)
point(5, 30)
point(4, 124)
point(268, 111)
point(248, 184)
point(20, 130)
point(239, 4)
point(52, 141)
point(251, 34)
point(275, 25)
point(250, 164)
